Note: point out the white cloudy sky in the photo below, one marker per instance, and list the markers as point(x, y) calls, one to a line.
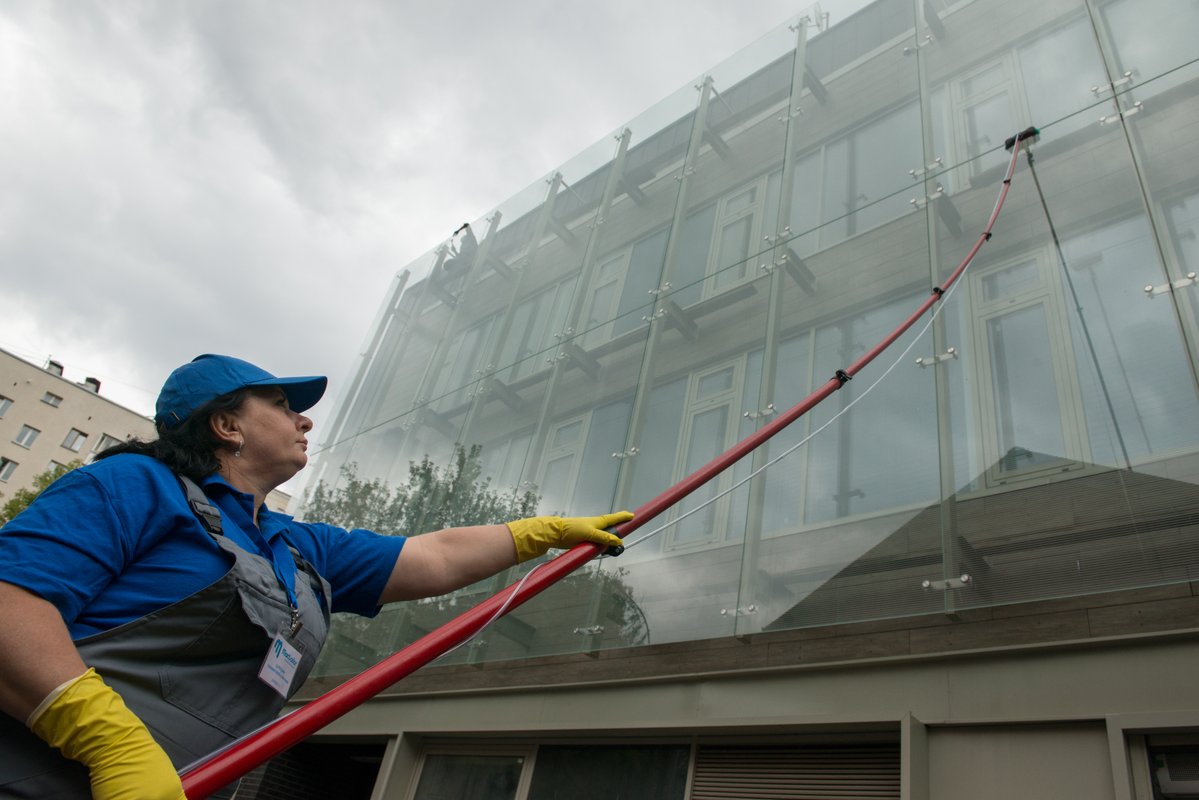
point(247, 177)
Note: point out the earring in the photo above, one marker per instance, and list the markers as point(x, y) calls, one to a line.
point(240, 445)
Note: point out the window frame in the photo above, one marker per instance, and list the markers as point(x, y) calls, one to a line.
point(602, 330)
point(51, 399)
point(74, 440)
point(572, 450)
point(26, 436)
point(696, 406)
point(1046, 293)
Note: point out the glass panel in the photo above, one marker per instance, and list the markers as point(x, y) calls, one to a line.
point(1151, 39)
point(691, 262)
point(1028, 414)
point(839, 203)
point(714, 383)
point(805, 205)
point(706, 441)
point(985, 122)
point(1002, 283)
point(927, 476)
point(1123, 336)
point(557, 484)
point(854, 475)
point(606, 773)
point(645, 272)
point(740, 202)
point(597, 326)
point(452, 777)
point(1070, 53)
point(984, 81)
point(883, 152)
point(567, 434)
point(784, 481)
point(734, 248)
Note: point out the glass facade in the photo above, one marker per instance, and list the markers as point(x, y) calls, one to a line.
point(609, 330)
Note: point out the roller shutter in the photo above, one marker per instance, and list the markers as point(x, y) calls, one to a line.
point(802, 772)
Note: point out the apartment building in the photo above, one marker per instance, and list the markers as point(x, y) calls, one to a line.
point(47, 420)
point(970, 572)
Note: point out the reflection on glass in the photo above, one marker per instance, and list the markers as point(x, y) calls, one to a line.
point(644, 274)
point(1151, 39)
point(601, 309)
point(1011, 280)
point(474, 776)
point(607, 773)
point(1134, 342)
point(1070, 55)
point(986, 122)
point(883, 453)
point(1028, 417)
point(705, 442)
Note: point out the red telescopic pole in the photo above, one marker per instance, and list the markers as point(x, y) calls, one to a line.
point(244, 755)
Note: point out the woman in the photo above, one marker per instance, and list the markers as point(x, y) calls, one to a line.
point(141, 629)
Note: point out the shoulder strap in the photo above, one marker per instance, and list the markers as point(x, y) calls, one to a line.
point(208, 514)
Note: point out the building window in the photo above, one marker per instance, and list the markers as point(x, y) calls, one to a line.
point(642, 772)
point(7, 468)
point(5, 405)
point(846, 187)
point(598, 319)
point(538, 324)
point(74, 441)
point(559, 474)
point(26, 436)
point(745, 216)
point(106, 441)
point(492, 775)
point(51, 399)
point(463, 365)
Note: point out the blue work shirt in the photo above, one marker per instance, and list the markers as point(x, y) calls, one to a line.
point(113, 541)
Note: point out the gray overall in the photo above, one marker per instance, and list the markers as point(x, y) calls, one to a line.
point(189, 671)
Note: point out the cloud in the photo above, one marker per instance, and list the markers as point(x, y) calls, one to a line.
point(248, 178)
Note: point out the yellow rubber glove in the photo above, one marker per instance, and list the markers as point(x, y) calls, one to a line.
point(90, 723)
point(536, 535)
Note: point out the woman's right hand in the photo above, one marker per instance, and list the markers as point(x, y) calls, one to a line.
point(90, 723)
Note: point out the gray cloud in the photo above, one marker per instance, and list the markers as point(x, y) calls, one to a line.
point(247, 178)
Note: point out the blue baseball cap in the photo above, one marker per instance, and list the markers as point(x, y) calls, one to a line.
point(209, 376)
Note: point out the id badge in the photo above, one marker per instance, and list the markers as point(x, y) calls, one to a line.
point(280, 665)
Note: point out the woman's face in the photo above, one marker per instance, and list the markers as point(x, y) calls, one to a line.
point(274, 446)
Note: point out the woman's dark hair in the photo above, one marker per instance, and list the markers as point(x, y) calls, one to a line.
point(190, 448)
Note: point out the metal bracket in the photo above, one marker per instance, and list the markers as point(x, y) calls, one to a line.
point(590, 630)
point(661, 312)
point(769, 411)
point(928, 39)
point(922, 202)
point(931, 361)
point(663, 288)
point(1137, 107)
point(739, 611)
point(814, 15)
point(1111, 87)
point(949, 583)
point(632, 451)
point(1181, 283)
point(916, 173)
